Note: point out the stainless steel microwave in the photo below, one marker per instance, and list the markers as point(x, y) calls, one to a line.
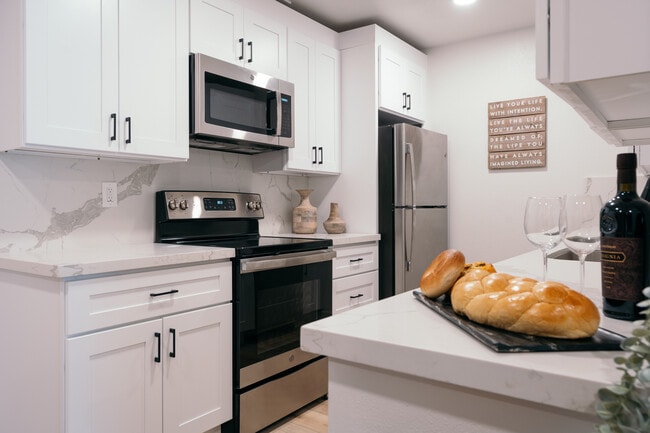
point(235, 109)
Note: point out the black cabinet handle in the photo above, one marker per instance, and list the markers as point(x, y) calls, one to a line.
point(315, 160)
point(114, 122)
point(250, 58)
point(408, 98)
point(172, 354)
point(241, 44)
point(320, 151)
point(356, 260)
point(157, 336)
point(356, 296)
point(128, 129)
point(403, 99)
point(170, 292)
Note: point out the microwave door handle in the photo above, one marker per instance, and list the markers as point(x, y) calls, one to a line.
point(278, 127)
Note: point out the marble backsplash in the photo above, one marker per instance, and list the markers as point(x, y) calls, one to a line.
point(55, 202)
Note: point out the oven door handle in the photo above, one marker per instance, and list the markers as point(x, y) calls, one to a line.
point(284, 261)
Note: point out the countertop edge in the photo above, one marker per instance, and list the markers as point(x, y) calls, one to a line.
point(74, 263)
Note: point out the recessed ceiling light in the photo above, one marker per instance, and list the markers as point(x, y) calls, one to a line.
point(463, 2)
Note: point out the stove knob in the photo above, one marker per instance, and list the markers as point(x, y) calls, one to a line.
point(258, 205)
point(250, 205)
point(183, 204)
point(172, 204)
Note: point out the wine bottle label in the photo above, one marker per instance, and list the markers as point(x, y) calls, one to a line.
point(621, 266)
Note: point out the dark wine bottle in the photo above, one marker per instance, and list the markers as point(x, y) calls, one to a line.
point(625, 244)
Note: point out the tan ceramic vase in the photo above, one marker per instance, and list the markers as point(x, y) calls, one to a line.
point(304, 215)
point(334, 224)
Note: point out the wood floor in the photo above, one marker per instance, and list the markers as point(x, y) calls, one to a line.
point(311, 419)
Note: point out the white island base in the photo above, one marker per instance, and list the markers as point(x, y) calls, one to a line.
point(373, 400)
point(397, 366)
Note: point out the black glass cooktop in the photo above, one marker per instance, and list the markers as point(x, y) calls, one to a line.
point(267, 245)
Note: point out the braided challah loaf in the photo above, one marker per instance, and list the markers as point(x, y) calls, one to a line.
point(524, 305)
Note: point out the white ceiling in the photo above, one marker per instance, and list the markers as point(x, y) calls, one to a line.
point(422, 23)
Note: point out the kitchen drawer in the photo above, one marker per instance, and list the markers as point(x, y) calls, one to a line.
point(115, 300)
point(354, 260)
point(353, 291)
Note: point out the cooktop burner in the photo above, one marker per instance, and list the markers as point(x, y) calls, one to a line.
point(222, 219)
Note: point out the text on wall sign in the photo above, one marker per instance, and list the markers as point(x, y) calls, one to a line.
point(517, 133)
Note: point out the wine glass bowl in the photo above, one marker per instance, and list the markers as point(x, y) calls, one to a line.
point(582, 235)
point(543, 224)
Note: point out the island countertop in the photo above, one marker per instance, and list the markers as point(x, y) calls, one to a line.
point(401, 335)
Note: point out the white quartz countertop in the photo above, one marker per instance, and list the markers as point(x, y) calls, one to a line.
point(337, 240)
point(69, 263)
point(402, 335)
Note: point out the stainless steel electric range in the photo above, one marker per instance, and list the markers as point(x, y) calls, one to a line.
point(279, 284)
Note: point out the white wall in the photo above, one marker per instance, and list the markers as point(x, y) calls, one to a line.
point(486, 208)
point(55, 203)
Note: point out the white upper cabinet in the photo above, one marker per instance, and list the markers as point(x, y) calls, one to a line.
point(401, 84)
point(314, 69)
point(108, 79)
point(596, 55)
point(224, 29)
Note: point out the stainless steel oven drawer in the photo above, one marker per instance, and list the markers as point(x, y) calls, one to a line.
point(274, 400)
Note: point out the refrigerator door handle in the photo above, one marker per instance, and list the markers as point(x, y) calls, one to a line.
point(409, 161)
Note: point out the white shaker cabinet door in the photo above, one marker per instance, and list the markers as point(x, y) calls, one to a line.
point(198, 369)
point(217, 29)
point(113, 381)
point(153, 74)
point(71, 73)
point(327, 109)
point(265, 48)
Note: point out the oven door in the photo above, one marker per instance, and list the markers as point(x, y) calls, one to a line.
point(275, 296)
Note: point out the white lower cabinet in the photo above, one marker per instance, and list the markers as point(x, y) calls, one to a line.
point(170, 374)
point(355, 276)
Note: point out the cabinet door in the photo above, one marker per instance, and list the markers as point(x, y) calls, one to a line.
point(154, 77)
point(414, 77)
point(113, 383)
point(71, 73)
point(392, 92)
point(327, 109)
point(198, 369)
point(265, 46)
point(217, 29)
point(301, 72)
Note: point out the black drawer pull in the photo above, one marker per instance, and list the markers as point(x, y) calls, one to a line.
point(356, 260)
point(157, 358)
point(172, 354)
point(356, 296)
point(171, 292)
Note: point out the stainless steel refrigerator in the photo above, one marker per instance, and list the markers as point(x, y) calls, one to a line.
point(412, 204)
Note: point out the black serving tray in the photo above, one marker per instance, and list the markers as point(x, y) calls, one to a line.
point(504, 341)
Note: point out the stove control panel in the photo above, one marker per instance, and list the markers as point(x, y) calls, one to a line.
point(214, 204)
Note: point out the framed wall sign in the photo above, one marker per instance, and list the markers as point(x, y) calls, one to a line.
point(517, 133)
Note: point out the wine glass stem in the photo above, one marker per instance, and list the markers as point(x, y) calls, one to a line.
point(545, 269)
point(582, 271)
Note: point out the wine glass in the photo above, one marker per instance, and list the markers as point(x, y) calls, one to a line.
point(543, 224)
point(582, 236)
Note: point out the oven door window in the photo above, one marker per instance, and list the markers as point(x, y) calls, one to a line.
point(274, 304)
point(237, 105)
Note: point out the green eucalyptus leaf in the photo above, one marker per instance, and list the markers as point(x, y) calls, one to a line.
point(641, 332)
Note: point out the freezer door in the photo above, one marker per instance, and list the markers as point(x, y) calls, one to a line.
point(420, 166)
point(420, 235)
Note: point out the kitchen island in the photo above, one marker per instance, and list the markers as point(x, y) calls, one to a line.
point(395, 365)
